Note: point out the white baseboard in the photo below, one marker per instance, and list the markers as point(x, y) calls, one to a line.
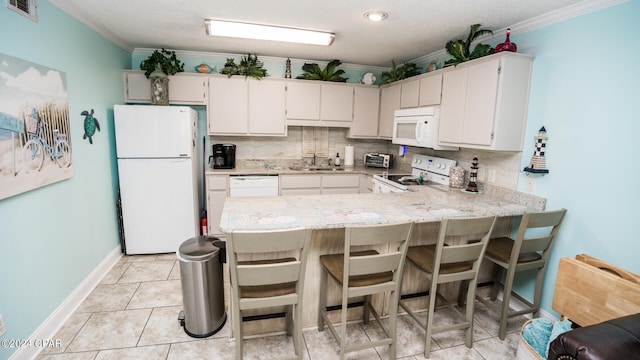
point(50, 327)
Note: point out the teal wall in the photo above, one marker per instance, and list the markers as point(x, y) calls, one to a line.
point(585, 91)
point(53, 237)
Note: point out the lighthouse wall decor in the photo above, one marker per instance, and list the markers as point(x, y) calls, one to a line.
point(538, 164)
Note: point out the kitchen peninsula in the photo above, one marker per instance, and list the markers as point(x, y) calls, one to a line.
point(327, 215)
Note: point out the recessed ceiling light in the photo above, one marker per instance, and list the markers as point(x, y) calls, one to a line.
point(267, 32)
point(375, 15)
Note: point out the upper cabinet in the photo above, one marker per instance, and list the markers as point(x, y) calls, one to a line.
point(267, 112)
point(430, 90)
point(422, 90)
point(228, 108)
point(484, 102)
point(303, 100)
point(240, 106)
point(319, 103)
point(183, 88)
point(366, 103)
point(389, 103)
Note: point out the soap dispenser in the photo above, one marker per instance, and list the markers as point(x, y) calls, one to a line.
point(337, 161)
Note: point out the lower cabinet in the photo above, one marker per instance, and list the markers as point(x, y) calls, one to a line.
point(319, 184)
point(217, 192)
point(217, 187)
point(340, 184)
point(300, 185)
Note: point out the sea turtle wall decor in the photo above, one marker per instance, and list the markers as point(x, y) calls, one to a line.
point(91, 124)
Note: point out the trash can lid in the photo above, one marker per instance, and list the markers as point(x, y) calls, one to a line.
point(198, 249)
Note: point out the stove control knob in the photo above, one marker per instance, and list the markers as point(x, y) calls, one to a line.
point(417, 161)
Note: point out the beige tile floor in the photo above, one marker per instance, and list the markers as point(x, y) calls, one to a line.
point(132, 314)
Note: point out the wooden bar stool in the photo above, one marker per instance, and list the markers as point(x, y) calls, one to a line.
point(441, 263)
point(272, 282)
point(362, 274)
point(526, 252)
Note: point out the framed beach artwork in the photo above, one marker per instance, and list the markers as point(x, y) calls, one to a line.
point(35, 142)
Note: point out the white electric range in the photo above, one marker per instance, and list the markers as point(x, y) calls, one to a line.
point(425, 170)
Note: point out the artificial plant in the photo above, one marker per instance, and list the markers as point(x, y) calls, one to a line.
point(329, 73)
point(403, 71)
point(249, 66)
point(167, 60)
point(461, 49)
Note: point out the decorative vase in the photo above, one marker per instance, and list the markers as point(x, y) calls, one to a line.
point(507, 45)
point(159, 87)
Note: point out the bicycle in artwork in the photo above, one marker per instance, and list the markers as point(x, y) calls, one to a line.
point(33, 152)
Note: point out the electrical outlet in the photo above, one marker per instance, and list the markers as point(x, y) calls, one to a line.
point(2, 328)
point(529, 184)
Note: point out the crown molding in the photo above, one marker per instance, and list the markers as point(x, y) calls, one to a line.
point(537, 22)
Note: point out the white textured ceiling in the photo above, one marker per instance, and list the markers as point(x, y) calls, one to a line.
point(413, 29)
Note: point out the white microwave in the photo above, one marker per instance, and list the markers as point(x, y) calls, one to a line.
point(418, 127)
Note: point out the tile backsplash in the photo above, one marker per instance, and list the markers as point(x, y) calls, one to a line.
point(497, 168)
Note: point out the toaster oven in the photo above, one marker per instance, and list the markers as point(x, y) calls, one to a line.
point(378, 160)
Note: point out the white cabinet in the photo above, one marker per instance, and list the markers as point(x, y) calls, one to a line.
point(410, 94)
point(184, 89)
point(425, 90)
point(303, 100)
point(300, 184)
point(319, 103)
point(430, 90)
point(239, 106)
point(319, 184)
point(267, 107)
point(484, 103)
point(389, 103)
point(340, 184)
point(217, 190)
point(366, 103)
point(227, 111)
point(336, 102)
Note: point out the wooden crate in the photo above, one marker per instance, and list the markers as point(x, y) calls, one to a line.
point(589, 291)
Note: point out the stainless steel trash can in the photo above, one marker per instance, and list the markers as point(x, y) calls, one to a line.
point(202, 286)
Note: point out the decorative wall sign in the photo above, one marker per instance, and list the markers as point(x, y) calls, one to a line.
point(35, 145)
point(91, 124)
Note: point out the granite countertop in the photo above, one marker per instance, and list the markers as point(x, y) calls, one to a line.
point(421, 204)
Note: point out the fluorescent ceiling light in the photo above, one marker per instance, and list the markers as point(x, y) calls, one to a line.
point(267, 32)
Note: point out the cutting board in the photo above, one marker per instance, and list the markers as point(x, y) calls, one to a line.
point(589, 291)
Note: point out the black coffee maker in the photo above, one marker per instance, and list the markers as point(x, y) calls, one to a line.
point(224, 156)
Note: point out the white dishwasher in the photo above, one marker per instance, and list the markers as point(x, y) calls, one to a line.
point(253, 185)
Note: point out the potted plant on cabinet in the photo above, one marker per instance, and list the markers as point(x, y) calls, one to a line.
point(461, 49)
point(403, 71)
point(329, 73)
point(158, 66)
point(249, 66)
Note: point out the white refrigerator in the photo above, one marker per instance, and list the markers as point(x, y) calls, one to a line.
point(158, 173)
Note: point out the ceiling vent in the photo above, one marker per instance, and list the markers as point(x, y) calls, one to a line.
point(24, 7)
